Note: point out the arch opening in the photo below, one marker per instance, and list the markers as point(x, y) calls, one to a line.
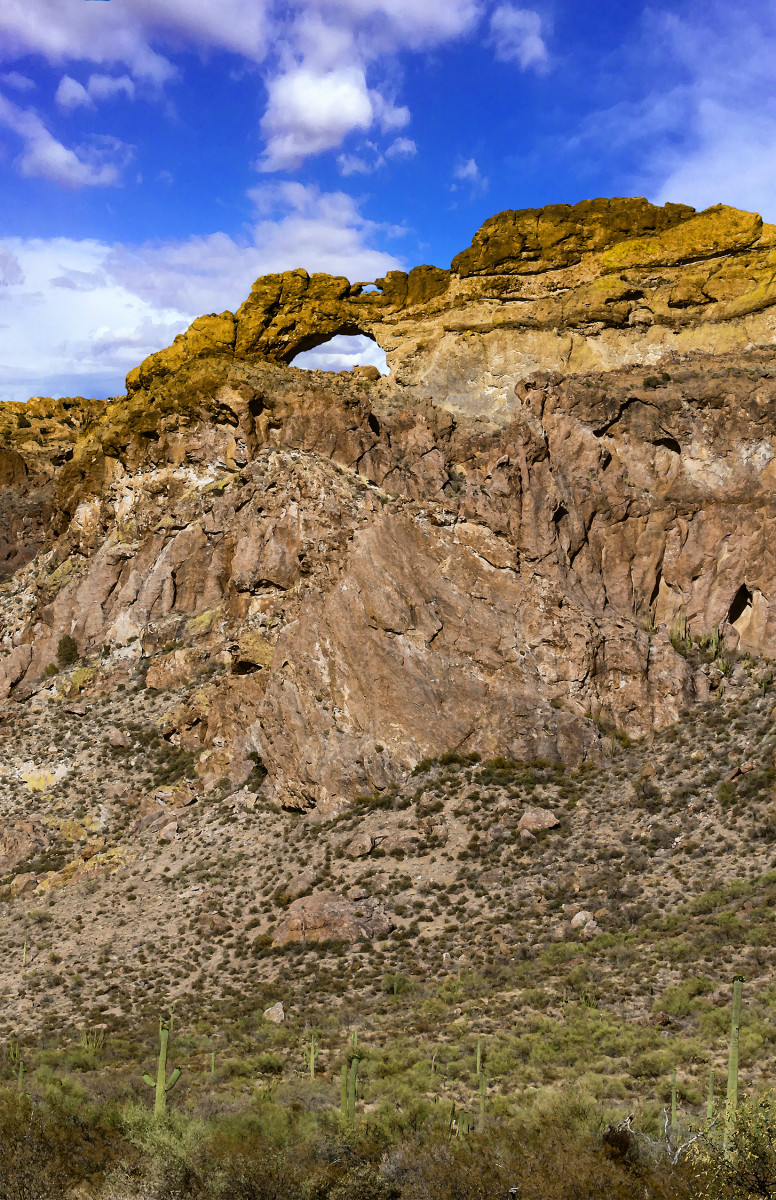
point(740, 610)
point(341, 352)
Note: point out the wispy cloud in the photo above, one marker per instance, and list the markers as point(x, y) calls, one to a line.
point(466, 173)
point(518, 35)
point(44, 157)
point(703, 130)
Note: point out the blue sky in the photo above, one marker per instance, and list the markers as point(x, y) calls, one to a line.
point(158, 155)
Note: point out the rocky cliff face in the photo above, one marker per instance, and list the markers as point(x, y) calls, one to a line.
point(497, 549)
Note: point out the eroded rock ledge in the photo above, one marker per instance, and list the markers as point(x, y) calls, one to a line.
point(573, 288)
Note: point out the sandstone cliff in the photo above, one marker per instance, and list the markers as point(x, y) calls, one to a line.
point(487, 551)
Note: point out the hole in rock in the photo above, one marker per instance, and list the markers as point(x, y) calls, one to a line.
point(669, 443)
point(244, 666)
point(370, 287)
point(373, 424)
point(342, 352)
point(560, 512)
point(741, 608)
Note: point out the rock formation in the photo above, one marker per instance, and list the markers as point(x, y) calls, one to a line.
point(487, 551)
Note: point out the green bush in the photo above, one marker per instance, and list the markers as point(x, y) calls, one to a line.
point(67, 651)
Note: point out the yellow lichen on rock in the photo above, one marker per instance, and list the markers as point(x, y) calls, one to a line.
point(717, 229)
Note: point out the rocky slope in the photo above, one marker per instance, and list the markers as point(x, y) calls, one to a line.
point(543, 538)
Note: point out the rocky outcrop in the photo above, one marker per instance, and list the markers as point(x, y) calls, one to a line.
point(574, 288)
point(327, 916)
point(332, 577)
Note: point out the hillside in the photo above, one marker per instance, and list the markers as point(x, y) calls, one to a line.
point(437, 707)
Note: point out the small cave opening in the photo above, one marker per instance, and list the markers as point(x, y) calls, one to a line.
point(670, 443)
point(341, 353)
point(373, 424)
point(560, 512)
point(244, 666)
point(740, 608)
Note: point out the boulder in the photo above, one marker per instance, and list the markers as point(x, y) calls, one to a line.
point(275, 1014)
point(304, 882)
point(361, 845)
point(535, 819)
point(329, 916)
point(22, 884)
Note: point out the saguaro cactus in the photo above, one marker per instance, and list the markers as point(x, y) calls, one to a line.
point(344, 1090)
point(352, 1082)
point(160, 1083)
point(731, 1102)
point(710, 1100)
point(311, 1054)
point(483, 1094)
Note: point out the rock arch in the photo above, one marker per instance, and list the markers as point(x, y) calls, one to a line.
point(343, 352)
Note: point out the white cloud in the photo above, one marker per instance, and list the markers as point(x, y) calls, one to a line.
point(358, 164)
point(72, 94)
point(352, 164)
point(14, 79)
point(319, 54)
point(517, 35)
point(415, 24)
point(128, 32)
point(309, 112)
point(467, 171)
point(388, 115)
point(42, 156)
point(10, 269)
point(401, 148)
point(105, 87)
point(75, 316)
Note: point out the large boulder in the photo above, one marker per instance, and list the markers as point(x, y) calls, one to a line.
point(329, 916)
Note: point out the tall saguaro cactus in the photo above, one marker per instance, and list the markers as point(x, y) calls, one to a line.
point(352, 1081)
point(160, 1083)
point(731, 1102)
point(483, 1089)
point(311, 1054)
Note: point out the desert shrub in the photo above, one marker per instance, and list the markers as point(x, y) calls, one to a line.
point(364, 1183)
point(67, 651)
point(538, 1163)
point(251, 1171)
point(749, 1170)
point(46, 1149)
